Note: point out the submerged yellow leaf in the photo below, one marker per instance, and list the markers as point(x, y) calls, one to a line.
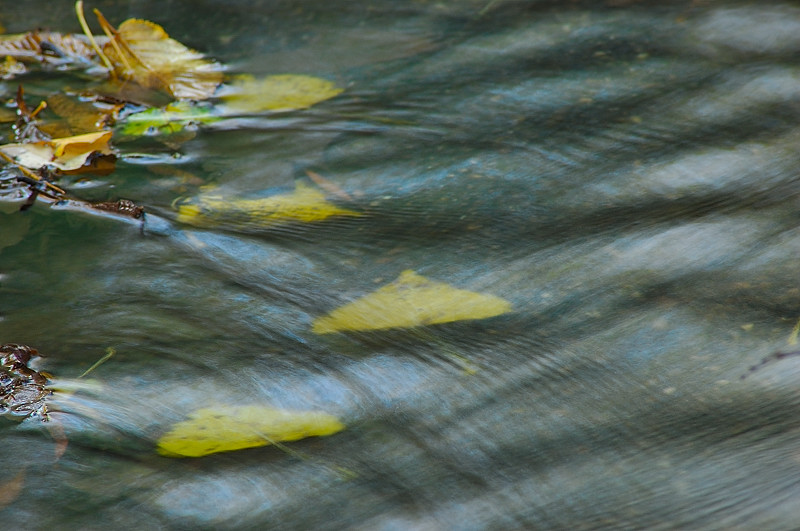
point(411, 300)
point(67, 153)
point(145, 54)
point(285, 92)
point(305, 204)
point(224, 429)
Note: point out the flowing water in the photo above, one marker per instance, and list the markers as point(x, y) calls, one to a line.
point(624, 173)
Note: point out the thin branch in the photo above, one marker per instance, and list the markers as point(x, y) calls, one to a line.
point(115, 39)
point(88, 33)
point(30, 175)
point(109, 352)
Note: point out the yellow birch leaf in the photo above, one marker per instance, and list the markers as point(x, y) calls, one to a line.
point(74, 146)
point(149, 57)
point(285, 92)
point(305, 205)
point(224, 429)
point(411, 300)
point(67, 153)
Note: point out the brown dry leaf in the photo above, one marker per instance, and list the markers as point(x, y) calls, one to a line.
point(152, 59)
point(68, 154)
point(47, 47)
point(23, 390)
point(81, 117)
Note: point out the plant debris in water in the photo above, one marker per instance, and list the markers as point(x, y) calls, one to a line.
point(23, 390)
point(224, 429)
point(145, 84)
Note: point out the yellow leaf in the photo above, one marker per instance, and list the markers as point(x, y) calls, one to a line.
point(146, 55)
point(305, 204)
point(224, 429)
point(74, 146)
point(67, 153)
point(411, 300)
point(284, 92)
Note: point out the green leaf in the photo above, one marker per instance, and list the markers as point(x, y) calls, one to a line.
point(172, 119)
point(225, 429)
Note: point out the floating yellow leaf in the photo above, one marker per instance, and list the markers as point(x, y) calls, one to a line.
point(67, 154)
point(284, 92)
point(305, 204)
point(224, 429)
point(411, 300)
point(143, 52)
point(73, 146)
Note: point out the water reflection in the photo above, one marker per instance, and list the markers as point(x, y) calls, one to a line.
point(624, 175)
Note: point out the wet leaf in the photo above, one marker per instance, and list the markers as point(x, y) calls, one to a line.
point(284, 92)
point(23, 390)
point(411, 300)
point(11, 68)
point(11, 489)
point(67, 154)
point(142, 52)
point(172, 119)
point(47, 47)
point(224, 429)
point(81, 117)
point(305, 204)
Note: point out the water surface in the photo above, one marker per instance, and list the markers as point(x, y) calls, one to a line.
point(623, 173)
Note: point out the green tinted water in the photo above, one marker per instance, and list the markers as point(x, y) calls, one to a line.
point(624, 174)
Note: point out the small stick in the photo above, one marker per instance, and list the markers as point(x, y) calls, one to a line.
point(29, 174)
point(776, 356)
point(88, 33)
point(113, 37)
point(327, 185)
point(109, 352)
point(42, 106)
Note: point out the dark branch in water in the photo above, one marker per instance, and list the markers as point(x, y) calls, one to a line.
point(123, 207)
point(776, 356)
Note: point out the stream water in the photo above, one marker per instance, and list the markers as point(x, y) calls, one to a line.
point(623, 173)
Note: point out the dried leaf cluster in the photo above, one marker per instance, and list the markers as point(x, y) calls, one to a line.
point(23, 390)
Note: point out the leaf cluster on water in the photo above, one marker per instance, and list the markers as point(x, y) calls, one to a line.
point(141, 83)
